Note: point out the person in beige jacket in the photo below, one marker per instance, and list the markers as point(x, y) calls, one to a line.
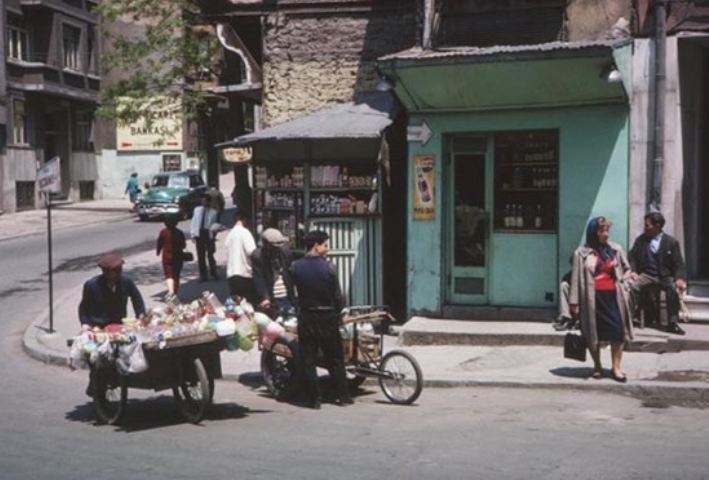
point(599, 295)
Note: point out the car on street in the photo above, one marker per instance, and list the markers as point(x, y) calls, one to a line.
point(171, 193)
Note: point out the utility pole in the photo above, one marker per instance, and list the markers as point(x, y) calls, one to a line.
point(659, 100)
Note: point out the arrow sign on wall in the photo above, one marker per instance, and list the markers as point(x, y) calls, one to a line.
point(419, 133)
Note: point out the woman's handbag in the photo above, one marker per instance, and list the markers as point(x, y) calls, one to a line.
point(575, 347)
point(187, 256)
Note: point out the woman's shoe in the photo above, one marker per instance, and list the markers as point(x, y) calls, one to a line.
point(619, 378)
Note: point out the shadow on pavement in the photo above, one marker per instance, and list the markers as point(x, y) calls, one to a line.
point(158, 412)
point(572, 372)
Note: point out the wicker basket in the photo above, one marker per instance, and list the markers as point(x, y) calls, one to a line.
point(369, 348)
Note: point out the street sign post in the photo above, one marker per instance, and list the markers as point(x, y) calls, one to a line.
point(49, 181)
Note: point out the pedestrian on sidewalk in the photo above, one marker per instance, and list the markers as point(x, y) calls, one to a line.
point(657, 262)
point(240, 245)
point(320, 303)
point(217, 201)
point(203, 235)
point(272, 279)
point(171, 243)
point(132, 188)
point(104, 299)
point(598, 294)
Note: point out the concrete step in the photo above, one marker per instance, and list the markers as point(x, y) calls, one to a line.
point(430, 331)
point(697, 308)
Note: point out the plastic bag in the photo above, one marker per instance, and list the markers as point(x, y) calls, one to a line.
point(131, 359)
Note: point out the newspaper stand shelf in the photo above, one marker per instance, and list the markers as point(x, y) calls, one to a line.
point(187, 364)
point(397, 372)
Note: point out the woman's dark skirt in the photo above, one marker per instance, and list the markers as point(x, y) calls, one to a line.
point(609, 323)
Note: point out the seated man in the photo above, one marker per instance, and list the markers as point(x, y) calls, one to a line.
point(105, 297)
point(657, 262)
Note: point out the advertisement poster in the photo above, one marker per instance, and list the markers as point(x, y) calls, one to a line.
point(49, 177)
point(424, 181)
point(164, 132)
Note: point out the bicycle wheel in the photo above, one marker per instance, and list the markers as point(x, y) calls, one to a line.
point(401, 380)
point(110, 397)
point(279, 368)
point(194, 395)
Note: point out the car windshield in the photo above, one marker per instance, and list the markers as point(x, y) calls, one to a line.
point(160, 181)
point(179, 181)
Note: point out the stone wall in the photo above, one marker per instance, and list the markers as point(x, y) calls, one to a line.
point(313, 60)
point(589, 20)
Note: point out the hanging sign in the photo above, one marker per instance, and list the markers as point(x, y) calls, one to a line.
point(419, 133)
point(424, 182)
point(237, 154)
point(49, 177)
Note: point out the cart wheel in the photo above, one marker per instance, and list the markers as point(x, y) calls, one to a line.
point(402, 380)
point(110, 397)
point(194, 395)
point(279, 368)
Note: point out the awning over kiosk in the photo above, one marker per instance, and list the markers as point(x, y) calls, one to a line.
point(505, 77)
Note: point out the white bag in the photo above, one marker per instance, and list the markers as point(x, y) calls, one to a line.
point(131, 359)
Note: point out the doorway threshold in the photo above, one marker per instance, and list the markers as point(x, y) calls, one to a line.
point(499, 313)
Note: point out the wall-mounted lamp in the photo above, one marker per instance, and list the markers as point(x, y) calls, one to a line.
point(385, 84)
point(611, 74)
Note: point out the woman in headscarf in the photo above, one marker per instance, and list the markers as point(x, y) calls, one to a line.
point(598, 294)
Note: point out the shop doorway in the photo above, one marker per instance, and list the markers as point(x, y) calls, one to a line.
point(468, 214)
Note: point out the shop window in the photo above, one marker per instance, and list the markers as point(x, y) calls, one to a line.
point(526, 181)
point(18, 44)
point(82, 131)
point(71, 42)
point(86, 190)
point(171, 162)
point(19, 122)
point(24, 194)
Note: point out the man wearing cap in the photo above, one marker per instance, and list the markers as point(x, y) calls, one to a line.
point(105, 297)
point(320, 303)
point(272, 280)
point(240, 245)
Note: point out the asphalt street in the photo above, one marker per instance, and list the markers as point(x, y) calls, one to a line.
point(47, 429)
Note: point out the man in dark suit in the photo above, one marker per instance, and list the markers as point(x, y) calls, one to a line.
point(657, 262)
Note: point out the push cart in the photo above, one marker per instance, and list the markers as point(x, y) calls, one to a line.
point(188, 365)
point(398, 373)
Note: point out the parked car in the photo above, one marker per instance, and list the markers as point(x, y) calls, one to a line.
point(171, 193)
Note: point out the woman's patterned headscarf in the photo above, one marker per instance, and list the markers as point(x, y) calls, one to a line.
point(604, 250)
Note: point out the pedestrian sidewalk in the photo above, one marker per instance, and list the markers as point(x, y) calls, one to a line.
point(677, 376)
point(64, 215)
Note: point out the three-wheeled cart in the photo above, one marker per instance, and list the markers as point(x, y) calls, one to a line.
point(398, 373)
point(188, 365)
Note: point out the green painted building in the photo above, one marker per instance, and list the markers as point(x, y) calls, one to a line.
point(511, 151)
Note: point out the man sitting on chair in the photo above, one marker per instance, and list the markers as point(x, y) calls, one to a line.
point(657, 262)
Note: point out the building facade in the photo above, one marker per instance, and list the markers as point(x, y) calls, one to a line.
point(50, 85)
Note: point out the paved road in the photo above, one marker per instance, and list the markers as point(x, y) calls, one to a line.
point(47, 428)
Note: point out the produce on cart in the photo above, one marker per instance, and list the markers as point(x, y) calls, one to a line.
point(174, 346)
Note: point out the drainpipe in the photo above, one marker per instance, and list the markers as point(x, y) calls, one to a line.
point(659, 104)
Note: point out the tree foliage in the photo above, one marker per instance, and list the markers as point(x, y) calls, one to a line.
point(155, 53)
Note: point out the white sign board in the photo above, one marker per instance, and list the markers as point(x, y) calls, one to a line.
point(419, 133)
point(163, 132)
point(49, 177)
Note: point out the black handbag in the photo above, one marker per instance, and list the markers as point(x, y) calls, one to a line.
point(575, 347)
point(187, 256)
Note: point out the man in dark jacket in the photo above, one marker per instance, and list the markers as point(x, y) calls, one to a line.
point(105, 297)
point(656, 262)
point(270, 266)
point(320, 303)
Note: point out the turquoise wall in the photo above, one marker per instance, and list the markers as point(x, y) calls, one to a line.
point(593, 174)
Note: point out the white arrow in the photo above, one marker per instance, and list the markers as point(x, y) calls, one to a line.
point(419, 133)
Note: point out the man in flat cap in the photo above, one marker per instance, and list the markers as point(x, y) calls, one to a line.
point(105, 297)
point(272, 280)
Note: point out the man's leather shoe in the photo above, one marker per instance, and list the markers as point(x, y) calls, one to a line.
point(344, 401)
point(675, 328)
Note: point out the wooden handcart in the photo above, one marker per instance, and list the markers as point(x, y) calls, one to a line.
point(397, 372)
point(188, 365)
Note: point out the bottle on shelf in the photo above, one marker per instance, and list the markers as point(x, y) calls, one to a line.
point(538, 217)
point(519, 219)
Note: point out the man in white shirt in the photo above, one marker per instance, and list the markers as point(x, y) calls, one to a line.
point(240, 245)
point(203, 234)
